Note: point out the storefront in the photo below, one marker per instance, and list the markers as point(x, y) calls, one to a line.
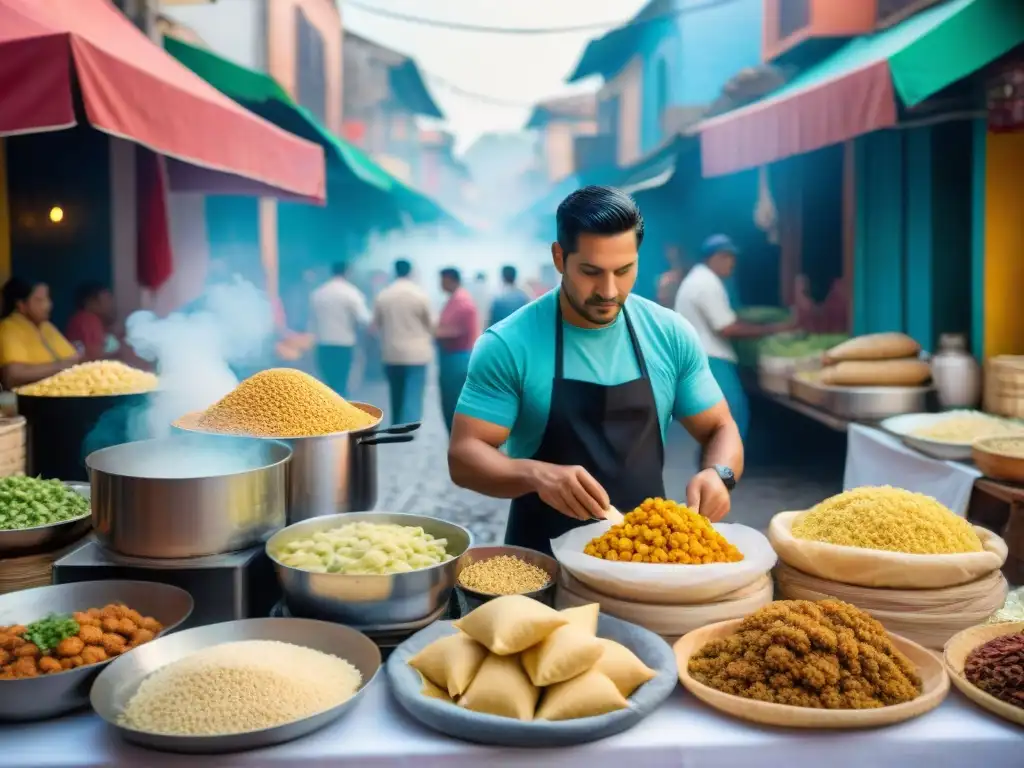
point(157, 127)
point(906, 161)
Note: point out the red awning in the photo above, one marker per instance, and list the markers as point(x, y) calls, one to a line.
point(132, 89)
point(799, 120)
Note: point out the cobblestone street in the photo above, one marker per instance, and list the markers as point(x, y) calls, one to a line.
point(791, 464)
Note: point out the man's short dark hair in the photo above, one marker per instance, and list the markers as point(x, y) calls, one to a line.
point(451, 273)
point(339, 268)
point(403, 268)
point(508, 274)
point(87, 292)
point(597, 211)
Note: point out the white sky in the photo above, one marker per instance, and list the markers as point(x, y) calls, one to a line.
point(521, 69)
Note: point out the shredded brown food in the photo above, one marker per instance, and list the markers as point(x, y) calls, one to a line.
point(997, 668)
point(822, 655)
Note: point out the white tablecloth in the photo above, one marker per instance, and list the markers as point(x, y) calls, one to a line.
point(683, 732)
point(874, 457)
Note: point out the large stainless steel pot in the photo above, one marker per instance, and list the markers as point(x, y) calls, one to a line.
point(188, 495)
point(331, 474)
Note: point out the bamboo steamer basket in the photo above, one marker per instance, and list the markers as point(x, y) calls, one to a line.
point(1004, 386)
point(12, 446)
point(955, 657)
point(928, 617)
point(934, 680)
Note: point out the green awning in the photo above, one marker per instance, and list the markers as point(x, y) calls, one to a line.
point(859, 88)
point(264, 96)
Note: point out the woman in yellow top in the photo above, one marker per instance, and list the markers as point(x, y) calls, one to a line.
point(31, 348)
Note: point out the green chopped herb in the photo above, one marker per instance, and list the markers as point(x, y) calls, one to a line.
point(47, 633)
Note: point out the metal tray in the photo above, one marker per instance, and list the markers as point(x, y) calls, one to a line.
point(860, 403)
point(118, 683)
point(47, 538)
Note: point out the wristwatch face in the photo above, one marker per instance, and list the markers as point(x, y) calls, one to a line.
point(728, 478)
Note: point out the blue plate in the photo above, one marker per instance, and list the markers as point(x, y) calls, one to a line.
point(506, 732)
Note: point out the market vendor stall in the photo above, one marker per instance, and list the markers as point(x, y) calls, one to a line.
point(683, 731)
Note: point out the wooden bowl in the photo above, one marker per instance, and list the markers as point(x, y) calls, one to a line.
point(994, 462)
point(955, 655)
point(935, 686)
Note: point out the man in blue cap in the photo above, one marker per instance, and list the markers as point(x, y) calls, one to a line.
point(704, 300)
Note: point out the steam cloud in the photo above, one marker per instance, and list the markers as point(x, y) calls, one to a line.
point(194, 351)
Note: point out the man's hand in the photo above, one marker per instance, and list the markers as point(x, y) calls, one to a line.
point(570, 490)
point(708, 495)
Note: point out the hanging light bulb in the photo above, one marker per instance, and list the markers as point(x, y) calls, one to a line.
point(56, 214)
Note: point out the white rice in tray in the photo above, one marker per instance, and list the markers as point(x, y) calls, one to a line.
point(239, 687)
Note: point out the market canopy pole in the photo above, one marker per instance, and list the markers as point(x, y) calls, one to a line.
point(132, 89)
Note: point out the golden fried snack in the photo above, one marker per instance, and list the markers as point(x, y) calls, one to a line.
point(26, 667)
point(141, 636)
point(134, 616)
point(93, 654)
point(27, 649)
point(70, 646)
point(152, 625)
point(49, 665)
point(90, 635)
point(112, 611)
point(66, 664)
point(113, 644)
point(111, 624)
point(7, 641)
point(86, 619)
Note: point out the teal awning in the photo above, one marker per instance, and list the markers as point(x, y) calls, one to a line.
point(859, 88)
point(346, 163)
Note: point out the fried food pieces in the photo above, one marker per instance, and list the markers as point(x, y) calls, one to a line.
point(102, 634)
point(661, 531)
point(823, 655)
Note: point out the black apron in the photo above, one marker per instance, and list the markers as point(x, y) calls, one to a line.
point(612, 432)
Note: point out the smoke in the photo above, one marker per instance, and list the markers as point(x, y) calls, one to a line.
point(196, 352)
point(430, 250)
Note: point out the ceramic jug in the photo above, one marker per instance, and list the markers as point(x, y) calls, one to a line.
point(956, 373)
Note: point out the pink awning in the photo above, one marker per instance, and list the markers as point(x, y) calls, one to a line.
point(132, 89)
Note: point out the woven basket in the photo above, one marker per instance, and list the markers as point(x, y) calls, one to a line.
point(1004, 386)
point(17, 573)
point(12, 446)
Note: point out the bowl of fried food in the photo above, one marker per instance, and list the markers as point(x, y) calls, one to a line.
point(55, 640)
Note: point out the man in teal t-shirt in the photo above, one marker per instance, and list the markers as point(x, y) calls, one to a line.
point(581, 385)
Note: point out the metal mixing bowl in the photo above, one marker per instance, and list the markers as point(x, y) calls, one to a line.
point(119, 682)
point(370, 601)
point(545, 594)
point(36, 698)
point(46, 538)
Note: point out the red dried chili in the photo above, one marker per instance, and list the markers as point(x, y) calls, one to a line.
point(997, 667)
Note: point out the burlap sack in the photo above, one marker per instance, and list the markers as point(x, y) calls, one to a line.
point(877, 568)
point(873, 346)
point(929, 617)
point(667, 620)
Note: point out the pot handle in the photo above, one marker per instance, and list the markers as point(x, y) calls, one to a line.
point(399, 429)
point(383, 438)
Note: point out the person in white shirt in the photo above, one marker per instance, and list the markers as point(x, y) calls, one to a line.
point(337, 309)
point(404, 324)
point(480, 290)
point(702, 299)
